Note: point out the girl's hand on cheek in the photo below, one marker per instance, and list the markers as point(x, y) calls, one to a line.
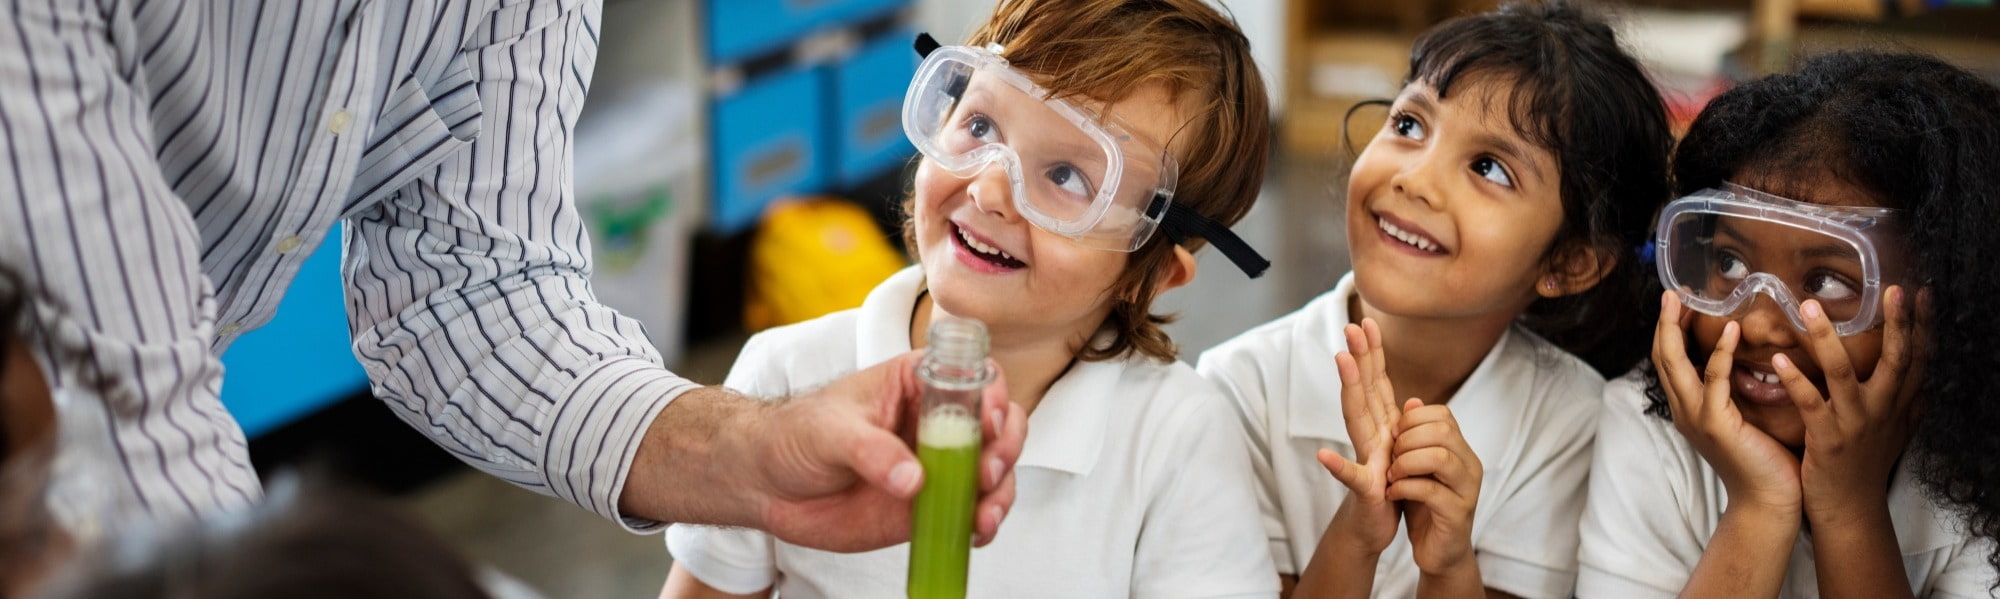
point(1755, 469)
point(1366, 518)
point(1437, 478)
point(1854, 437)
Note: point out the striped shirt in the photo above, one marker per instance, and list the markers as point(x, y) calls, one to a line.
point(165, 161)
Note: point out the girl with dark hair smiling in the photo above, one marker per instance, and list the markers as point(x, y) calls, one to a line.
point(1492, 223)
point(1818, 418)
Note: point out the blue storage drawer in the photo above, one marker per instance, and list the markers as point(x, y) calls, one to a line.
point(868, 107)
point(739, 29)
point(767, 142)
point(848, 11)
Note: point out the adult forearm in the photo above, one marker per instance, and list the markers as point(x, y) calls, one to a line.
point(694, 462)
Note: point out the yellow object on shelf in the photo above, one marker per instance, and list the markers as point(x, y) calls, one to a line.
point(814, 257)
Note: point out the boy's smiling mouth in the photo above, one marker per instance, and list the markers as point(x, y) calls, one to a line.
point(982, 252)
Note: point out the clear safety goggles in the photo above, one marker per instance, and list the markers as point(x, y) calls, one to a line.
point(1721, 247)
point(1072, 171)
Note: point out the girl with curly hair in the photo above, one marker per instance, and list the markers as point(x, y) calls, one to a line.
point(1816, 419)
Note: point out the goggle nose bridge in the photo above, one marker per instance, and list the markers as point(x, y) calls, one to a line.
point(1744, 296)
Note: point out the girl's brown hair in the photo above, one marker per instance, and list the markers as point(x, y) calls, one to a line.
point(1104, 51)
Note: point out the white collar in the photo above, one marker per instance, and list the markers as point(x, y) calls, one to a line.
point(1485, 406)
point(1067, 430)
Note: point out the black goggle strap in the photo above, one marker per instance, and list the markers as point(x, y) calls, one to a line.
point(926, 44)
point(1182, 223)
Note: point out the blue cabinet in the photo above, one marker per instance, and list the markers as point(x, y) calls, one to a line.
point(740, 29)
point(807, 117)
point(868, 89)
point(768, 142)
point(302, 360)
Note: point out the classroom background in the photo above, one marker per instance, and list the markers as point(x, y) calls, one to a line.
point(753, 149)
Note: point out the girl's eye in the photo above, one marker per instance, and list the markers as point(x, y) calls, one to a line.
point(1731, 267)
point(1829, 287)
point(1492, 171)
point(1071, 181)
point(1407, 126)
point(979, 126)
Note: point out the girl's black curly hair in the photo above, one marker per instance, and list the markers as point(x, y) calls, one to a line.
point(1921, 134)
point(1578, 94)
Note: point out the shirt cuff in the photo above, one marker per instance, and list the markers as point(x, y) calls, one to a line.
point(1524, 579)
point(596, 431)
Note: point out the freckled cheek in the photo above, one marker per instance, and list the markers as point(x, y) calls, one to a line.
point(932, 190)
point(1075, 269)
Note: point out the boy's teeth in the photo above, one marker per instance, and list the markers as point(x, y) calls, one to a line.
point(981, 247)
point(1406, 236)
point(1763, 377)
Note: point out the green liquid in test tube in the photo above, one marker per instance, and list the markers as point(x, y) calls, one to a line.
point(954, 372)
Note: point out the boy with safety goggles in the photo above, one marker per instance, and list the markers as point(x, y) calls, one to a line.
point(1058, 144)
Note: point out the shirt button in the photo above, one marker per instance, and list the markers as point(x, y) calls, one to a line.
point(339, 121)
point(228, 329)
point(289, 244)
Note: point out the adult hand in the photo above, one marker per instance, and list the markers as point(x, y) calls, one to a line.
point(836, 466)
point(1755, 469)
point(1856, 431)
point(831, 469)
point(1367, 518)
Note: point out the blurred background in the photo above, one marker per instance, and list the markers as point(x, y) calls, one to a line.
point(740, 163)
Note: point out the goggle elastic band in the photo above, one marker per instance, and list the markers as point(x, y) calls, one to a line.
point(1182, 223)
point(926, 44)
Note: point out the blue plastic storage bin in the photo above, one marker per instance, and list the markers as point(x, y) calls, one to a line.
point(849, 11)
point(767, 142)
point(868, 89)
point(740, 29)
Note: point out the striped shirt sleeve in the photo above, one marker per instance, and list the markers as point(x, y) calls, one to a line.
point(86, 213)
point(469, 290)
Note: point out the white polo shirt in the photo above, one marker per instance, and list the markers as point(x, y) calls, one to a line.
point(1654, 504)
point(1132, 483)
point(1528, 411)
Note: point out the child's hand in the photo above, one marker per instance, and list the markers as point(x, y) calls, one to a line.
point(1755, 468)
point(1437, 478)
point(1367, 517)
point(1854, 438)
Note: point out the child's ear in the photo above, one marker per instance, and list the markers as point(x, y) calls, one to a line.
point(1575, 270)
point(1180, 269)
